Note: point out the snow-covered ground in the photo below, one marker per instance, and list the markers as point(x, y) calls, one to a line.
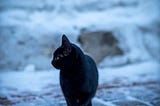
point(41, 84)
point(37, 80)
point(31, 29)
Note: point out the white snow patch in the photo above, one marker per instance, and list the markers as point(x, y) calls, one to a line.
point(29, 67)
point(37, 80)
point(131, 72)
point(28, 80)
point(100, 101)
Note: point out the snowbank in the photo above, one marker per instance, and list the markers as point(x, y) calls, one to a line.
point(31, 30)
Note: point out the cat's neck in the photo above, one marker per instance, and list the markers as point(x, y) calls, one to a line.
point(79, 60)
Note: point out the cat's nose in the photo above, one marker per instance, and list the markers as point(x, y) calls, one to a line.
point(54, 64)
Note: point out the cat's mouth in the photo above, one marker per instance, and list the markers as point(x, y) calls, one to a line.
point(55, 64)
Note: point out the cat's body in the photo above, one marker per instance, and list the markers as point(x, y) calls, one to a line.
point(78, 74)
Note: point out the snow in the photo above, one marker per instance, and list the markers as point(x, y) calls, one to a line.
point(29, 80)
point(42, 82)
point(30, 21)
point(103, 102)
point(135, 24)
point(37, 80)
point(132, 72)
point(29, 67)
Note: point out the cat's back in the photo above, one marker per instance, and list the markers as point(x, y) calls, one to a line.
point(91, 62)
point(86, 65)
point(91, 71)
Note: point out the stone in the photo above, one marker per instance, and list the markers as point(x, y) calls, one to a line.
point(100, 44)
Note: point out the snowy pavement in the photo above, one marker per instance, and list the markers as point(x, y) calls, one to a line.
point(132, 85)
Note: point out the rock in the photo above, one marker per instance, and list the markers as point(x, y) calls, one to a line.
point(100, 44)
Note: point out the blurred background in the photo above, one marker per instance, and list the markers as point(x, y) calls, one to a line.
point(116, 33)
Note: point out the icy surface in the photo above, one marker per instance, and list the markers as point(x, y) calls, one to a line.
point(29, 81)
point(41, 86)
point(131, 71)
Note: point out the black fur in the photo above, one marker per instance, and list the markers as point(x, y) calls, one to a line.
point(78, 74)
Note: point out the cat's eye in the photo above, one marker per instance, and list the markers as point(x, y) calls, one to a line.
point(57, 58)
point(61, 56)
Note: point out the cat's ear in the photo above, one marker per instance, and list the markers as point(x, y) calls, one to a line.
point(66, 43)
point(65, 40)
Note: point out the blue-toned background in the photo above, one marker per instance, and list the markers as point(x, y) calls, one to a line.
point(123, 37)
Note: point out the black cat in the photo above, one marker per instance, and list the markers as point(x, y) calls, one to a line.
point(78, 74)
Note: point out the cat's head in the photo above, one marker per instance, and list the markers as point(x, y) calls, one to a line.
point(62, 54)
